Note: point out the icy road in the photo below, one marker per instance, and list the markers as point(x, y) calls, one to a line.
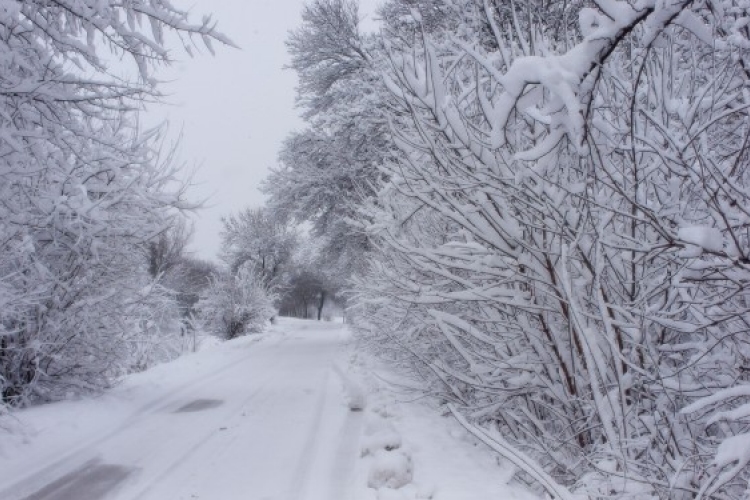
point(251, 419)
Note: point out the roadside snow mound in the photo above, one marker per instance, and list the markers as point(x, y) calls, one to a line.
point(390, 469)
point(387, 440)
point(409, 449)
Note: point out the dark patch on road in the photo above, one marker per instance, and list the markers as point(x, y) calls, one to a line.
point(199, 405)
point(92, 481)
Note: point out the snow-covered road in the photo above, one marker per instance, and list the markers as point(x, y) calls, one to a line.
point(252, 419)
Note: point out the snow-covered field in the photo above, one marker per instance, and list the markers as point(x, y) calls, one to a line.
point(280, 416)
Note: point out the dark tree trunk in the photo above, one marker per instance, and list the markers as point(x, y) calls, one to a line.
point(321, 303)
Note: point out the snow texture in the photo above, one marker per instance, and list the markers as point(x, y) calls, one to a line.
point(707, 238)
point(256, 402)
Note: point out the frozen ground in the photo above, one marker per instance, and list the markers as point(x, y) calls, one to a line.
point(282, 416)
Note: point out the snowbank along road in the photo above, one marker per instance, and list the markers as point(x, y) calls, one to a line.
point(258, 418)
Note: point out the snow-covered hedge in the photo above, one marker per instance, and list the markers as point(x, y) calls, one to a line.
point(563, 242)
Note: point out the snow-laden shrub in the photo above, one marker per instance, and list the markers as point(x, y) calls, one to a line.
point(157, 330)
point(235, 305)
point(110, 321)
point(83, 190)
point(563, 242)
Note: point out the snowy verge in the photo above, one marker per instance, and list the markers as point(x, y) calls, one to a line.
point(411, 450)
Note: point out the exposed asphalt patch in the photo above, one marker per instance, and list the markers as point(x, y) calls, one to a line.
point(199, 405)
point(92, 481)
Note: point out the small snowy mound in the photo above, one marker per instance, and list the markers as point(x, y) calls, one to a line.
point(390, 469)
point(387, 440)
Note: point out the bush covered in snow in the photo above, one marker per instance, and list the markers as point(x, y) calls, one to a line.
point(83, 190)
point(236, 304)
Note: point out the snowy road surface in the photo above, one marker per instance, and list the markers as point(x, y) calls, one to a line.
point(251, 420)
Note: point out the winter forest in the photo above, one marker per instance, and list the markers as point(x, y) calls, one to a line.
point(538, 211)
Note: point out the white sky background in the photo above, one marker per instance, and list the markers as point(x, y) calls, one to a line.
point(235, 108)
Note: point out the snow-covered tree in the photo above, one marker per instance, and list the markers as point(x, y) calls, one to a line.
point(561, 246)
point(166, 251)
point(236, 303)
point(258, 239)
point(82, 189)
point(188, 279)
point(328, 51)
point(327, 171)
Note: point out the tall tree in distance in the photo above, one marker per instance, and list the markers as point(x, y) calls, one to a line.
point(327, 51)
point(257, 249)
point(255, 238)
point(166, 251)
point(315, 281)
point(327, 171)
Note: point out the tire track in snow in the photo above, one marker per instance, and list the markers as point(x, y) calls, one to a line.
point(223, 481)
point(205, 440)
point(325, 470)
point(347, 454)
point(301, 475)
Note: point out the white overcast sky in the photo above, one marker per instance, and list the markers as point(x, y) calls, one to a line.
point(234, 108)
